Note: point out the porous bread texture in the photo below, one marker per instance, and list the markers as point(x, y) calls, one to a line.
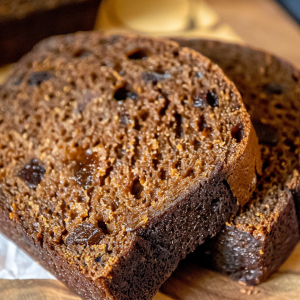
point(255, 242)
point(120, 155)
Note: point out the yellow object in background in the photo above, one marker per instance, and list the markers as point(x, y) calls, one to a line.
point(154, 15)
point(188, 18)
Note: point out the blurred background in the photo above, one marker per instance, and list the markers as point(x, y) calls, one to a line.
point(267, 24)
point(262, 23)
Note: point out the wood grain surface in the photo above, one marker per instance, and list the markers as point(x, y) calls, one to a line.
point(188, 282)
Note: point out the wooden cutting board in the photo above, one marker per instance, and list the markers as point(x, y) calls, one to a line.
point(190, 281)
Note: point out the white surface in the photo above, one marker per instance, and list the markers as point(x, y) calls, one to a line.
point(15, 264)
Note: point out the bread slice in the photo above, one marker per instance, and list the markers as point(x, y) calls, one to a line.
point(259, 239)
point(119, 156)
point(23, 23)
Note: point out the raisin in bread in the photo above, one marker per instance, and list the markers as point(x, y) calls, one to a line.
point(259, 239)
point(25, 22)
point(119, 156)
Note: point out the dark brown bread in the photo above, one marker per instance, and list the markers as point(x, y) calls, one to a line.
point(23, 23)
point(259, 239)
point(119, 155)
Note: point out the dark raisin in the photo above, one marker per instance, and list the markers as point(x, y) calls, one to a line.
point(212, 99)
point(84, 234)
point(137, 54)
point(154, 77)
point(273, 88)
point(32, 173)
point(98, 259)
point(37, 78)
point(124, 92)
point(265, 133)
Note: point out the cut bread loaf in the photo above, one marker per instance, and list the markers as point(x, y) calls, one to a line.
point(25, 22)
point(119, 155)
point(259, 239)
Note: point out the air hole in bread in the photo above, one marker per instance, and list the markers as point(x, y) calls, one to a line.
point(104, 178)
point(138, 54)
point(124, 92)
point(163, 174)
point(237, 132)
point(81, 53)
point(102, 226)
point(137, 189)
point(179, 131)
point(212, 99)
point(162, 112)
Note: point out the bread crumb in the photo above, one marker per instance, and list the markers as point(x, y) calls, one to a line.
point(179, 147)
point(66, 89)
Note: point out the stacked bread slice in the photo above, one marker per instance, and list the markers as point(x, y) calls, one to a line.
point(255, 242)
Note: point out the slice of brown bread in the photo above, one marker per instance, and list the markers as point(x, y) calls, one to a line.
point(119, 155)
point(23, 23)
point(259, 239)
